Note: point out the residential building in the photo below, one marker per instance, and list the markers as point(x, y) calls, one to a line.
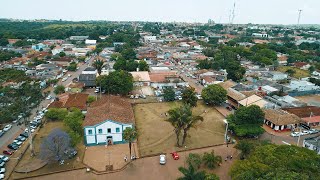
point(276, 76)
point(302, 86)
point(309, 114)
point(312, 143)
point(106, 120)
point(78, 38)
point(89, 80)
point(39, 47)
point(280, 120)
point(149, 38)
point(66, 100)
point(160, 80)
point(141, 78)
point(90, 42)
point(253, 100)
point(89, 70)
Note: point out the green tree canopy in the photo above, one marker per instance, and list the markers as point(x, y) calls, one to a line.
point(168, 94)
point(189, 96)
point(214, 94)
point(98, 64)
point(129, 135)
point(272, 161)
point(247, 121)
point(117, 82)
point(235, 71)
point(59, 89)
point(56, 113)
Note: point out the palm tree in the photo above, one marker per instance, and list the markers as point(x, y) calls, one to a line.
point(129, 135)
point(181, 119)
point(98, 64)
point(211, 160)
point(191, 174)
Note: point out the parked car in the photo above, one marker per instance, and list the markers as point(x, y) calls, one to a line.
point(20, 138)
point(26, 135)
point(8, 152)
point(1, 133)
point(2, 164)
point(70, 152)
point(143, 96)
point(313, 131)
point(7, 127)
point(49, 97)
point(304, 132)
point(136, 96)
point(229, 108)
point(162, 159)
point(1, 176)
point(13, 146)
point(295, 134)
point(175, 155)
point(4, 158)
point(17, 142)
point(2, 170)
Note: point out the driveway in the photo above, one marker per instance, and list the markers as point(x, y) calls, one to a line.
point(149, 168)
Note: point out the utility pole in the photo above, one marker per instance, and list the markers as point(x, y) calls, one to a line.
point(233, 12)
point(299, 16)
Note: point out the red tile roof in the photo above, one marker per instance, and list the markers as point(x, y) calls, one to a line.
point(304, 112)
point(113, 108)
point(78, 100)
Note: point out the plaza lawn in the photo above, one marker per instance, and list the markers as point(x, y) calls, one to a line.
point(155, 135)
point(27, 160)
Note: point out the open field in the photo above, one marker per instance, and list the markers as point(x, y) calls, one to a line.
point(313, 100)
point(156, 135)
point(299, 73)
point(27, 160)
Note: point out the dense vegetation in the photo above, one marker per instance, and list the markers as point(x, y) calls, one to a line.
point(7, 55)
point(270, 161)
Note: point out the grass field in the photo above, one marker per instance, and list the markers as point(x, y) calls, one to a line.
point(299, 73)
point(155, 135)
point(28, 160)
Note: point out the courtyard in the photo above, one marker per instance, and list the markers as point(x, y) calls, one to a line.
point(156, 135)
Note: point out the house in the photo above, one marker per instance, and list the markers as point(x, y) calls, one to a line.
point(89, 70)
point(282, 59)
point(276, 76)
point(160, 80)
point(302, 65)
point(106, 120)
point(253, 100)
point(149, 38)
point(76, 87)
point(141, 78)
point(234, 97)
point(89, 80)
point(280, 120)
point(268, 89)
point(66, 100)
point(90, 42)
point(57, 50)
point(312, 143)
point(78, 38)
point(38, 47)
point(302, 86)
point(308, 114)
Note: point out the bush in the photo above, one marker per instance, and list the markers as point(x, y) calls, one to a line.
point(91, 99)
point(75, 138)
point(194, 160)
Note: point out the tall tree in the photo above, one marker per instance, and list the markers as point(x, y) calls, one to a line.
point(235, 71)
point(168, 94)
point(214, 94)
point(247, 121)
point(98, 64)
point(272, 161)
point(54, 145)
point(211, 160)
point(59, 89)
point(191, 174)
point(117, 82)
point(129, 135)
point(189, 96)
point(181, 119)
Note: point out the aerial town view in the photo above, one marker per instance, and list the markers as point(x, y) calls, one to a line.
point(160, 90)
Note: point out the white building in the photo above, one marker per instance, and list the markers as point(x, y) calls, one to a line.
point(260, 35)
point(91, 42)
point(149, 38)
point(89, 70)
point(57, 50)
point(276, 76)
point(106, 120)
point(268, 89)
point(303, 86)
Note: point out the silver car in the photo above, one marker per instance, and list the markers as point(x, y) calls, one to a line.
point(163, 159)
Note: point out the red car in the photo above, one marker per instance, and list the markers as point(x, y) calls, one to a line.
point(8, 152)
point(175, 155)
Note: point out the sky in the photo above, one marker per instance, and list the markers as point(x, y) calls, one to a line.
point(246, 11)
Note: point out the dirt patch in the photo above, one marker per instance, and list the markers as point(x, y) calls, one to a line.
point(313, 100)
point(299, 73)
point(156, 135)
